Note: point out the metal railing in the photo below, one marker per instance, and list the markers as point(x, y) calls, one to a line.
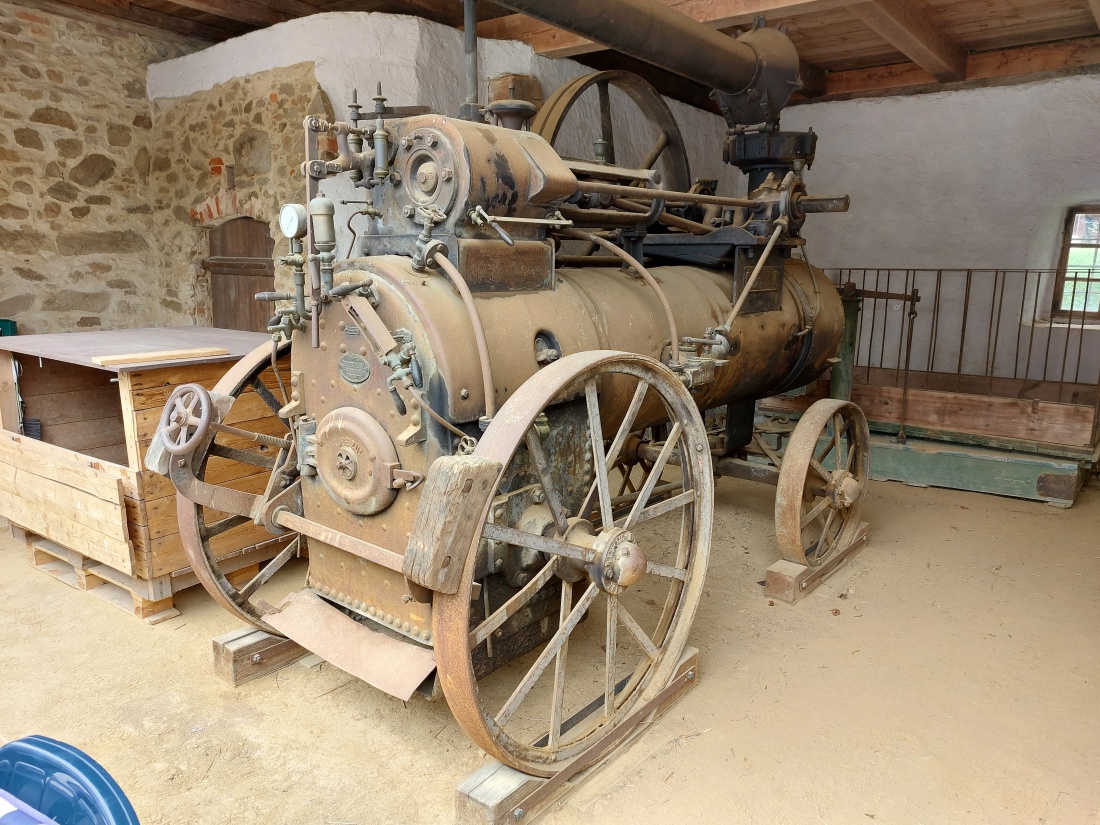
point(994, 332)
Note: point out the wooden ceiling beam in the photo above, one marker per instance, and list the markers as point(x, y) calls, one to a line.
point(128, 13)
point(1047, 59)
point(719, 14)
point(243, 11)
point(907, 27)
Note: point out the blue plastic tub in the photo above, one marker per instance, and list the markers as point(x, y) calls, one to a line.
point(63, 783)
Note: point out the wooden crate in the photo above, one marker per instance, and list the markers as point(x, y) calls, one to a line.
point(82, 488)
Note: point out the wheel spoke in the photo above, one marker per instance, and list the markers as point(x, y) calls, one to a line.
point(548, 653)
point(558, 701)
point(655, 152)
point(609, 666)
point(271, 568)
point(820, 470)
point(815, 511)
point(837, 425)
point(654, 475)
point(619, 440)
point(666, 571)
point(260, 388)
point(607, 128)
point(829, 445)
point(631, 624)
point(553, 500)
point(660, 508)
point(823, 551)
point(514, 604)
point(225, 524)
point(598, 457)
point(628, 422)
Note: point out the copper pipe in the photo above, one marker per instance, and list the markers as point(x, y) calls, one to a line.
point(636, 265)
point(479, 330)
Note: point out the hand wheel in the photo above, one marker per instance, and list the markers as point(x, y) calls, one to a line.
point(186, 418)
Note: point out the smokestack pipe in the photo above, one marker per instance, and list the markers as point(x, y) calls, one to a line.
point(651, 31)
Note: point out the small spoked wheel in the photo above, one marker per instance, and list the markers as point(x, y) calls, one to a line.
point(186, 418)
point(216, 541)
point(822, 483)
point(605, 581)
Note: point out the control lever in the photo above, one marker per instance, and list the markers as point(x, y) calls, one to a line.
point(479, 217)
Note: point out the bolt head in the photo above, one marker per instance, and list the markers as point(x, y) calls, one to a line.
point(408, 211)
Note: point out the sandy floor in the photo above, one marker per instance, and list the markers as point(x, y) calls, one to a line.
point(950, 674)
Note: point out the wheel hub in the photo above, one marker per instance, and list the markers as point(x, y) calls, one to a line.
point(844, 489)
point(622, 563)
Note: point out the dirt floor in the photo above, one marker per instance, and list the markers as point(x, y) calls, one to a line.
point(950, 674)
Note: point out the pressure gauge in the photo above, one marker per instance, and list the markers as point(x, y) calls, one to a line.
point(292, 220)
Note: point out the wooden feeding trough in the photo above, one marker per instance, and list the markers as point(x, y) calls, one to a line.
point(78, 411)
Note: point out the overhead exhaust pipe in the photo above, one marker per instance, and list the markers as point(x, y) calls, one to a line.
point(754, 75)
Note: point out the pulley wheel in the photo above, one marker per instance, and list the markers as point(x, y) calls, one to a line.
point(661, 148)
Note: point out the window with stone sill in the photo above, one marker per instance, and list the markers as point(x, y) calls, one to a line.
point(1077, 290)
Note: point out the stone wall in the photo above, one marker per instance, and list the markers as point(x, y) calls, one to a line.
point(76, 150)
point(248, 131)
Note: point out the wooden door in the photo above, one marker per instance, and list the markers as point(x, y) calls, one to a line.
point(240, 265)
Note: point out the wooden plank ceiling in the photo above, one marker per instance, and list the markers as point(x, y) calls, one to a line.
point(849, 47)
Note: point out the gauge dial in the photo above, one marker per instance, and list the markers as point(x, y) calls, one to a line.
point(292, 220)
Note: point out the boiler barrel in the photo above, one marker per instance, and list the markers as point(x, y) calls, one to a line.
point(607, 308)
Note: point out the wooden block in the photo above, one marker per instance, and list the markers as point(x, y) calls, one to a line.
point(160, 355)
point(144, 609)
point(789, 582)
point(246, 654)
point(454, 498)
point(489, 796)
point(783, 581)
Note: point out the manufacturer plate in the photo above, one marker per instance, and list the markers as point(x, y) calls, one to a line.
point(354, 369)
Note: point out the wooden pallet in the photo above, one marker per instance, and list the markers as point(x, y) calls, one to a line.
point(150, 600)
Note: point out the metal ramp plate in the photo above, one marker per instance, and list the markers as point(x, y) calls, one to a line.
point(396, 667)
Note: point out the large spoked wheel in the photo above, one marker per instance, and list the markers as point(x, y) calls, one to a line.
point(216, 541)
point(661, 147)
point(623, 574)
point(822, 483)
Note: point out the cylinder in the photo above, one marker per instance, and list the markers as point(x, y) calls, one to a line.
point(655, 33)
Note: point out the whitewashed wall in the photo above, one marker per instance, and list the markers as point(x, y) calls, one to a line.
point(978, 178)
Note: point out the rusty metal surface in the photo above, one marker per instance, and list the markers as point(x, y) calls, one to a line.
point(830, 480)
point(391, 665)
point(200, 556)
point(452, 613)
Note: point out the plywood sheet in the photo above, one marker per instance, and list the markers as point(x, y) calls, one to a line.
point(81, 347)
